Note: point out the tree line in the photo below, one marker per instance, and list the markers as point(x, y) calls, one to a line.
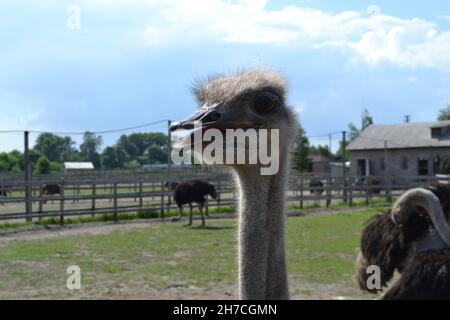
point(50, 151)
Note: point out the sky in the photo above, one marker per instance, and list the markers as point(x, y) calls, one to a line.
point(72, 66)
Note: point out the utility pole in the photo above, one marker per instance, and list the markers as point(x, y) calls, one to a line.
point(27, 169)
point(344, 173)
point(407, 118)
point(386, 173)
point(169, 149)
point(169, 160)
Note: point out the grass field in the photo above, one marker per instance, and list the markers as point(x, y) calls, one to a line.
point(170, 261)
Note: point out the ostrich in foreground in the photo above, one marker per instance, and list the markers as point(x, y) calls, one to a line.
point(191, 191)
point(413, 238)
point(253, 100)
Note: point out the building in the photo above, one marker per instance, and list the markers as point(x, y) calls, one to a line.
point(318, 164)
point(409, 149)
point(78, 166)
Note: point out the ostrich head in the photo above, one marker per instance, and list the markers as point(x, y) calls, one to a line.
point(212, 191)
point(248, 100)
point(418, 221)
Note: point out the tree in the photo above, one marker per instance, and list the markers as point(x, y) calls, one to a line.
point(444, 114)
point(133, 164)
point(114, 157)
point(300, 152)
point(322, 150)
point(90, 147)
point(11, 162)
point(42, 165)
point(56, 148)
point(137, 144)
point(156, 154)
point(366, 120)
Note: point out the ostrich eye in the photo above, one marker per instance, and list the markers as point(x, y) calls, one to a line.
point(266, 102)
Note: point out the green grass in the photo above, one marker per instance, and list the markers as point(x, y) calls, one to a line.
point(321, 251)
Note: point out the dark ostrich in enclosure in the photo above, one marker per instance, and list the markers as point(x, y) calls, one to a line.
point(4, 192)
point(191, 191)
point(50, 189)
point(413, 238)
point(316, 187)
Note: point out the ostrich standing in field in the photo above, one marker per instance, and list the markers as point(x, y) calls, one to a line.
point(414, 239)
point(256, 100)
point(187, 192)
point(316, 186)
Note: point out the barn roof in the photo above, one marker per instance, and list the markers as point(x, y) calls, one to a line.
point(403, 136)
point(78, 165)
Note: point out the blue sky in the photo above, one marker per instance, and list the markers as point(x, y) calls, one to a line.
point(133, 61)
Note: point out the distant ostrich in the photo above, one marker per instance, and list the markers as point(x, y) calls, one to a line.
point(51, 189)
point(191, 191)
point(316, 186)
point(414, 239)
point(253, 99)
point(370, 185)
point(4, 192)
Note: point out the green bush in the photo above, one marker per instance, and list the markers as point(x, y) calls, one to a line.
point(42, 165)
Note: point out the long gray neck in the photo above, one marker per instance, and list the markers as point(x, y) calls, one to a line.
point(262, 261)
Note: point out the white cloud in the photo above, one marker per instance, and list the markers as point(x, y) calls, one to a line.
point(369, 36)
point(444, 17)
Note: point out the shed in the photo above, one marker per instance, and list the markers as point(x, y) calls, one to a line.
point(78, 166)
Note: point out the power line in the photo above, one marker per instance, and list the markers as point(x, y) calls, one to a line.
point(83, 132)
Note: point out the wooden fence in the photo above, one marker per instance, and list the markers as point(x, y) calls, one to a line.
point(143, 195)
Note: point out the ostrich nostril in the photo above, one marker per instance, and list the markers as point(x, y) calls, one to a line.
point(211, 116)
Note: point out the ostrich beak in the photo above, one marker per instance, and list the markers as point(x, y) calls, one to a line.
point(206, 116)
point(213, 117)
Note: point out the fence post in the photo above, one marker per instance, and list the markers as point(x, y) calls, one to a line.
point(169, 195)
point(94, 194)
point(301, 191)
point(350, 191)
point(141, 202)
point(41, 191)
point(61, 203)
point(115, 201)
point(329, 191)
point(219, 188)
point(111, 190)
point(153, 190)
point(162, 199)
point(389, 186)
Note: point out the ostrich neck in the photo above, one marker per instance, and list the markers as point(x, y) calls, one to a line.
point(262, 262)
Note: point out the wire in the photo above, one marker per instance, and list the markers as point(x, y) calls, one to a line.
point(83, 132)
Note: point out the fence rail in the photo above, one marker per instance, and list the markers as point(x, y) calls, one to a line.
point(107, 196)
